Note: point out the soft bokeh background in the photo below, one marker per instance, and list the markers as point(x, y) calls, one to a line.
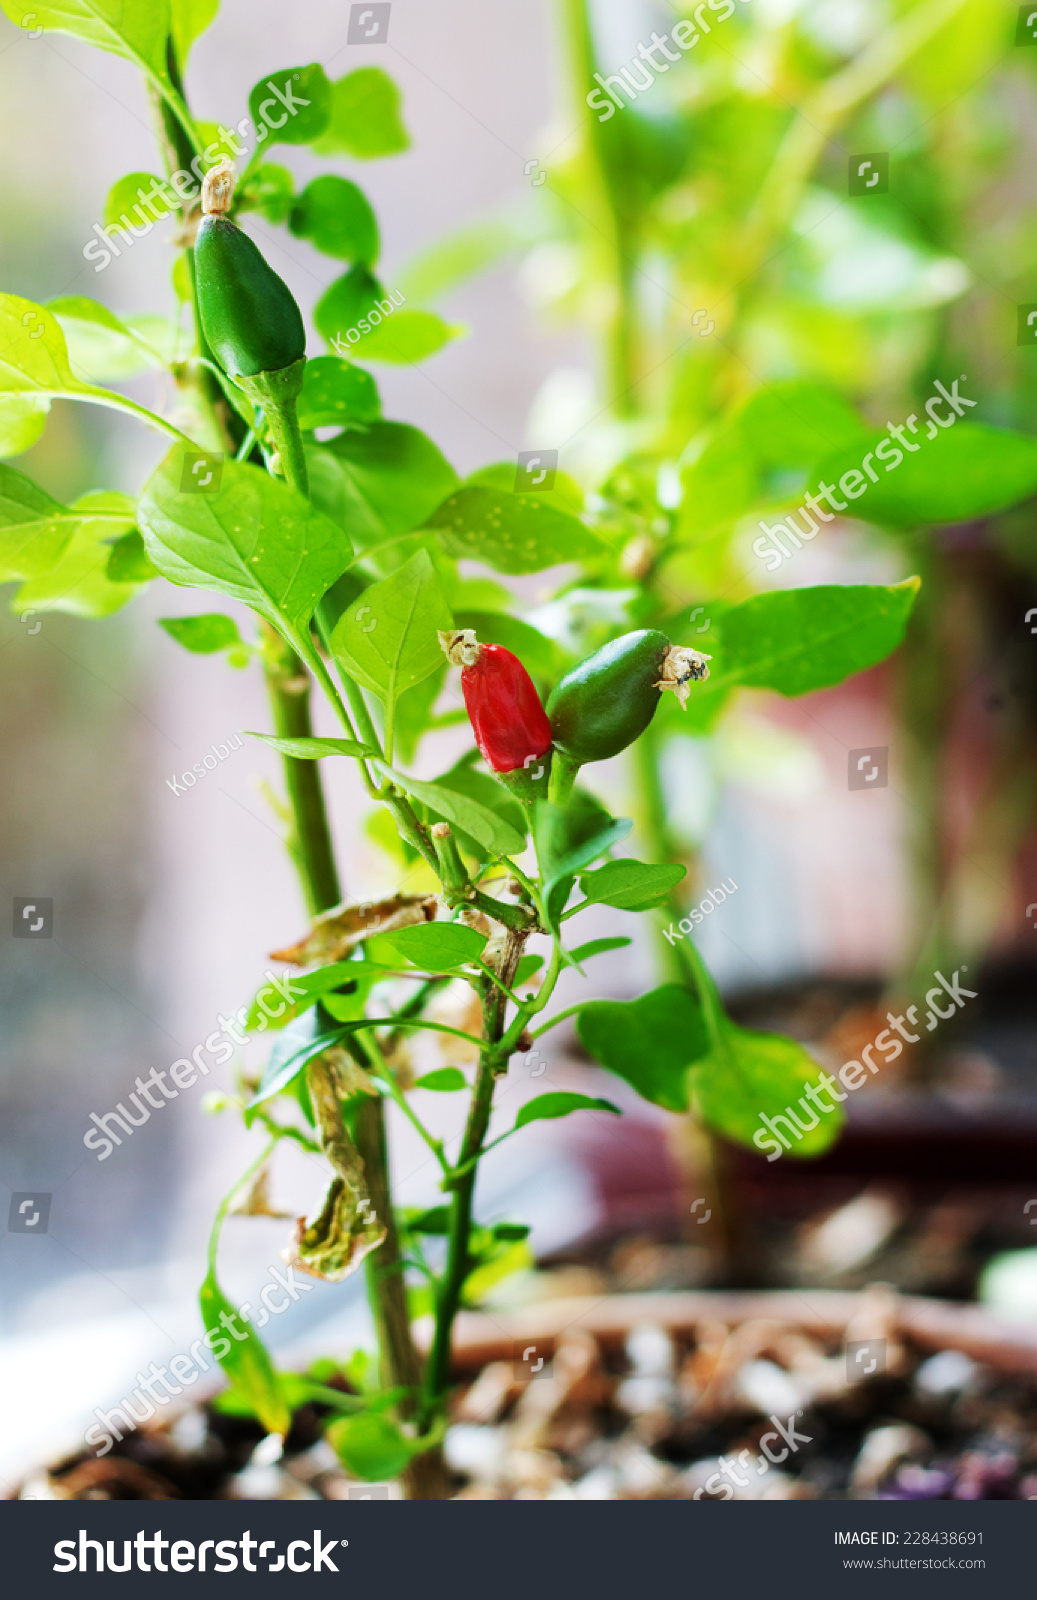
point(166, 905)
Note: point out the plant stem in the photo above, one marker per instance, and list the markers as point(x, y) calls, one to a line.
point(453, 873)
point(448, 1296)
point(617, 219)
point(283, 422)
point(563, 777)
point(225, 1204)
point(309, 843)
point(823, 112)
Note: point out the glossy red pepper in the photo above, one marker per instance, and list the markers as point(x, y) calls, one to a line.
point(509, 722)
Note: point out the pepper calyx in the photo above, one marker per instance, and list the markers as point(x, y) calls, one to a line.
point(218, 188)
point(460, 646)
point(682, 667)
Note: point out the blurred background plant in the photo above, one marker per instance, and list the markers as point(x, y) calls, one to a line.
point(754, 315)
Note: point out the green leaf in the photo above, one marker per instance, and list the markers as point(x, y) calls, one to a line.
point(570, 837)
point(79, 582)
point(448, 262)
point(125, 204)
point(407, 337)
point(797, 640)
point(497, 837)
point(791, 423)
point(967, 471)
point(597, 947)
point(22, 421)
point(500, 1262)
point(135, 29)
point(564, 494)
point(438, 946)
point(414, 714)
point(270, 190)
point(345, 301)
point(512, 533)
point(337, 394)
point(128, 560)
point(298, 1044)
point(33, 355)
point(291, 106)
point(336, 217)
point(254, 539)
point(247, 1362)
point(389, 477)
point(445, 1080)
point(203, 635)
point(540, 655)
point(527, 967)
point(353, 977)
point(101, 346)
point(371, 1447)
point(357, 315)
point(313, 749)
point(486, 791)
point(749, 1075)
point(649, 1042)
point(35, 529)
point(631, 885)
point(190, 18)
point(782, 429)
point(387, 639)
point(548, 1106)
point(365, 117)
point(511, 1232)
point(435, 1221)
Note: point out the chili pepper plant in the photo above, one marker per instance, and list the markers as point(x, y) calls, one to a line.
point(343, 534)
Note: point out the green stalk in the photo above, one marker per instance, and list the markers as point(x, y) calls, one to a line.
point(563, 777)
point(617, 219)
point(309, 842)
point(448, 1292)
point(283, 422)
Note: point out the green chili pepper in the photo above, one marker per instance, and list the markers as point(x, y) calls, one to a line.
point(608, 700)
point(249, 314)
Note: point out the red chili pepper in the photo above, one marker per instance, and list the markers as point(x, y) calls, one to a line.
point(509, 722)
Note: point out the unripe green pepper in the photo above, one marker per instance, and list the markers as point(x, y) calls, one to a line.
point(607, 700)
point(249, 315)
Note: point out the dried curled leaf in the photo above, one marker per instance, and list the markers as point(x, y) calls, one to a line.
point(336, 1242)
point(347, 1228)
point(336, 933)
